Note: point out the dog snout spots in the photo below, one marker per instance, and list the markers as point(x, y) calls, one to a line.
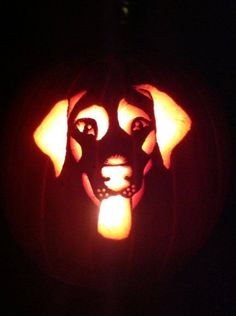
point(102, 193)
point(129, 191)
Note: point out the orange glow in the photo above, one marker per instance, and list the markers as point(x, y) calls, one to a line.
point(127, 113)
point(74, 100)
point(149, 143)
point(99, 114)
point(115, 160)
point(51, 135)
point(172, 122)
point(75, 149)
point(117, 177)
point(114, 220)
point(147, 167)
point(89, 190)
point(137, 196)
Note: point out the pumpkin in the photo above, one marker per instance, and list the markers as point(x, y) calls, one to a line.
point(113, 175)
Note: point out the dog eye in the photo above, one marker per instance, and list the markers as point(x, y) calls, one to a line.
point(87, 126)
point(139, 123)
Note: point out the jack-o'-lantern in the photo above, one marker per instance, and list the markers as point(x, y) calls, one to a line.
point(145, 117)
point(116, 146)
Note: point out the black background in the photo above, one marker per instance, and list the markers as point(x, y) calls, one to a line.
point(197, 36)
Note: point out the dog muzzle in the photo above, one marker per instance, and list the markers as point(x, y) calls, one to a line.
point(116, 195)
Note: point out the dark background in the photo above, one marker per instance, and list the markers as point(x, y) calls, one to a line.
point(194, 36)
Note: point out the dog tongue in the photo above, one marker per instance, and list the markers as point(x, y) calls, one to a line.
point(114, 220)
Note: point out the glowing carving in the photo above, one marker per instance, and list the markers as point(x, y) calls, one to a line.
point(88, 189)
point(149, 143)
point(131, 119)
point(73, 101)
point(98, 114)
point(76, 149)
point(115, 160)
point(117, 177)
point(172, 122)
point(147, 167)
point(127, 113)
point(114, 220)
point(51, 135)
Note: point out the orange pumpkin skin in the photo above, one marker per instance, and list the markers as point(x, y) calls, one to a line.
point(56, 221)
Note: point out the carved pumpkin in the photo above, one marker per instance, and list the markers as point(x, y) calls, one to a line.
point(125, 188)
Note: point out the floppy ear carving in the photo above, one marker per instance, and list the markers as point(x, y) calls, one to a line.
point(172, 122)
point(51, 135)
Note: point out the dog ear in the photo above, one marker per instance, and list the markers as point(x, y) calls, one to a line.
point(172, 122)
point(51, 135)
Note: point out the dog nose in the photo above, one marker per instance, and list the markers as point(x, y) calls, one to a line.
point(117, 177)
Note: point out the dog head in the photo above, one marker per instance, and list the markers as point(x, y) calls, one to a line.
point(112, 142)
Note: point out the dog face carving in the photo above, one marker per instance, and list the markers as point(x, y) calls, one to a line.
point(120, 143)
point(112, 143)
